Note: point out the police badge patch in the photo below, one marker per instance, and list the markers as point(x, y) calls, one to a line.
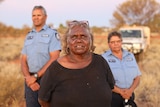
point(129, 59)
point(112, 60)
point(29, 37)
point(57, 36)
point(45, 35)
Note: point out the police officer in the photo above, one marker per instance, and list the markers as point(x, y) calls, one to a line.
point(41, 47)
point(124, 68)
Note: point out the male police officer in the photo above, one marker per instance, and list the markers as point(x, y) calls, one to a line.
point(40, 49)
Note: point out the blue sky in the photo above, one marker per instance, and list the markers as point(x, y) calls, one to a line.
point(98, 12)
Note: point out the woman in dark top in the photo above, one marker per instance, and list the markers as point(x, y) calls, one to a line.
point(80, 78)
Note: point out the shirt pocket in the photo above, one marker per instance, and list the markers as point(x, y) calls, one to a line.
point(130, 64)
point(131, 69)
point(29, 46)
point(43, 45)
point(116, 70)
point(28, 42)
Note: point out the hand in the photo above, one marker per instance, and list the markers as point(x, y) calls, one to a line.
point(35, 86)
point(126, 93)
point(30, 80)
point(43, 103)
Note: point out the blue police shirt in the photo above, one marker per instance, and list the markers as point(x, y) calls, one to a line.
point(38, 45)
point(125, 70)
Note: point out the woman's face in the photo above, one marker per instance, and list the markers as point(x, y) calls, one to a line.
point(79, 40)
point(115, 43)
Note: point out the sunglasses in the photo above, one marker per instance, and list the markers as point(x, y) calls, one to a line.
point(73, 23)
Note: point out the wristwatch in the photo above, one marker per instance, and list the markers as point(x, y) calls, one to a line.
point(36, 75)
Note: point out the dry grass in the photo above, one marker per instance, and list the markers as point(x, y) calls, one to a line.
point(11, 79)
point(10, 48)
point(11, 82)
point(101, 44)
point(148, 90)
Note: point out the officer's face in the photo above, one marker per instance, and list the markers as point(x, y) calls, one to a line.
point(115, 43)
point(38, 18)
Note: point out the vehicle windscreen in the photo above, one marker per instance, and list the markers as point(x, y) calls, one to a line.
point(130, 33)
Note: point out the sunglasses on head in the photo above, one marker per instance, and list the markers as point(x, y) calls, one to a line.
point(75, 22)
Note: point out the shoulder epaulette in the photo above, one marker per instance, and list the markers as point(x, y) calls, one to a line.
point(51, 28)
point(29, 31)
point(54, 29)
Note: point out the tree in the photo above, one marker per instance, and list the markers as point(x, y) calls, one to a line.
point(97, 30)
point(62, 29)
point(138, 12)
point(155, 23)
point(1, 0)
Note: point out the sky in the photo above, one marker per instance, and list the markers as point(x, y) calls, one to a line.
point(18, 13)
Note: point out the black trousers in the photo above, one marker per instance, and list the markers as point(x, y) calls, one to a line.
point(118, 101)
